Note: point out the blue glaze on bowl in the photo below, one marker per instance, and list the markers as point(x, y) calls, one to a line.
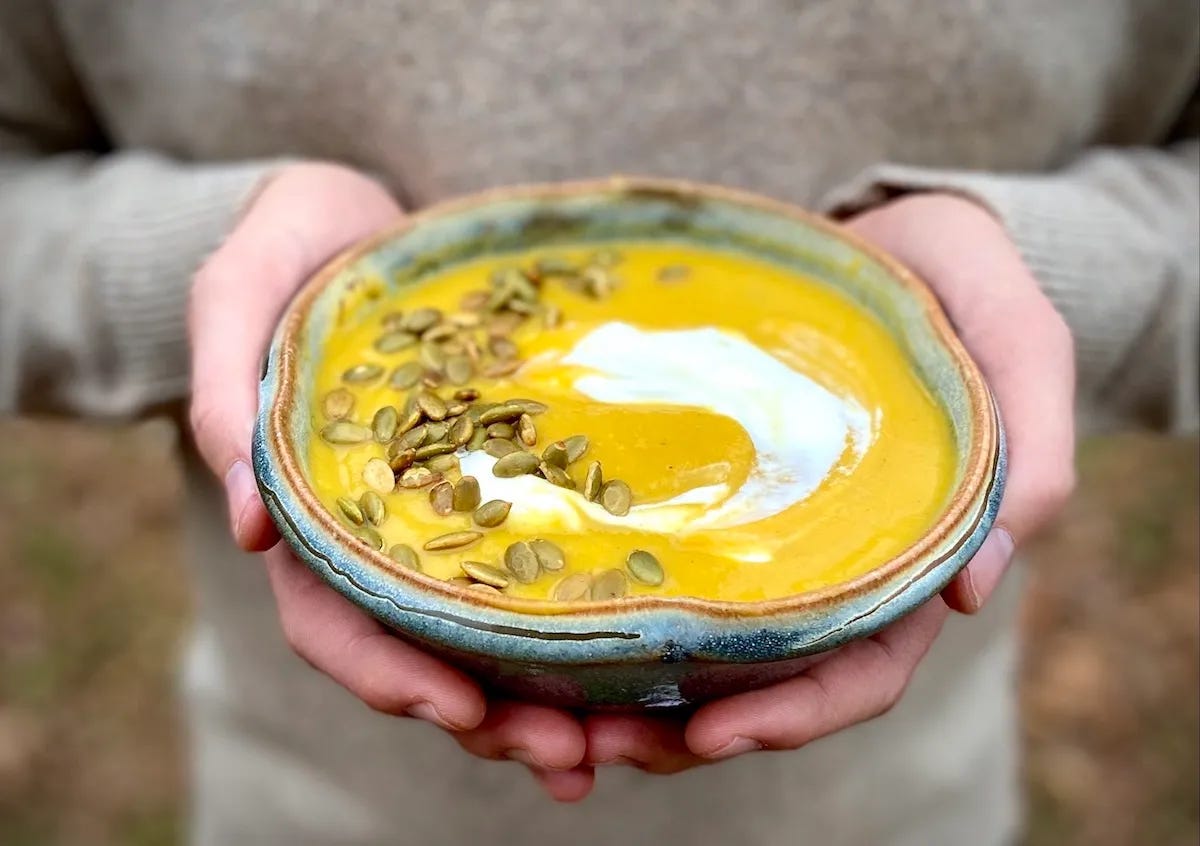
point(641, 652)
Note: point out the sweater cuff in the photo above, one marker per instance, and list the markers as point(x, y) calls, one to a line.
point(144, 258)
point(1093, 265)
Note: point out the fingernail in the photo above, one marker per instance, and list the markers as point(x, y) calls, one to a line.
point(425, 711)
point(737, 746)
point(990, 564)
point(240, 489)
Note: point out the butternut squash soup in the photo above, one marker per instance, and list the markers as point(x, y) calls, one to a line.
point(648, 419)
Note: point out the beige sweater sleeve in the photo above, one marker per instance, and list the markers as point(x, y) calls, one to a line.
point(1114, 239)
point(98, 249)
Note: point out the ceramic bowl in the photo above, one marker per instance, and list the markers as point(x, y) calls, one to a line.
point(642, 652)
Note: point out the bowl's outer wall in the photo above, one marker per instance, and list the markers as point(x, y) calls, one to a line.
point(667, 654)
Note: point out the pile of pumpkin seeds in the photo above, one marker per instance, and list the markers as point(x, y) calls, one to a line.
point(442, 415)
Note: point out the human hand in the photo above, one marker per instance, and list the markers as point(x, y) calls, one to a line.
point(302, 217)
point(1025, 352)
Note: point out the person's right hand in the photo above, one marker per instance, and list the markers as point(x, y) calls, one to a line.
point(300, 218)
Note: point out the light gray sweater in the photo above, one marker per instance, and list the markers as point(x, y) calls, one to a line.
point(132, 132)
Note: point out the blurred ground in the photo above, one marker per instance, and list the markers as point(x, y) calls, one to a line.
point(93, 602)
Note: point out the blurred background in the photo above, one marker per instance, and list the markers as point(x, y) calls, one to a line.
point(94, 603)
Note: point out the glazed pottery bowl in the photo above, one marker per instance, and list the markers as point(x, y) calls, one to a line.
point(644, 651)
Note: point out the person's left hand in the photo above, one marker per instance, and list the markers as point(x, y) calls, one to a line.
point(1025, 352)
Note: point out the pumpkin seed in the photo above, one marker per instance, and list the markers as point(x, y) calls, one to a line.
point(473, 301)
point(400, 459)
point(502, 348)
point(616, 498)
point(477, 410)
point(473, 351)
point(528, 406)
point(605, 258)
point(394, 342)
point(552, 266)
point(441, 498)
point(392, 321)
point(521, 306)
point(461, 431)
point(422, 320)
point(406, 375)
point(576, 446)
point(478, 439)
point(439, 333)
point(372, 507)
point(453, 409)
point(444, 464)
point(430, 450)
point(378, 475)
point(431, 405)
point(466, 394)
point(413, 438)
point(384, 423)
point(505, 413)
point(338, 404)
point(526, 431)
point(593, 482)
point(344, 432)
point(437, 431)
point(498, 369)
point(549, 555)
point(556, 455)
point(556, 476)
point(466, 319)
point(360, 374)
point(597, 282)
point(573, 588)
point(505, 324)
point(369, 536)
point(551, 317)
point(462, 581)
point(452, 540)
point(501, 430)
point(466, 494)
point(499, 447)
point(480, 587)
point(432, 357)
point(522, 563)
point(485, 574)
point(418, 477)
point(515, 464)
point(405, 556)
point(459, 369)
point(611, 584)
point(674, 273)
point(410, 419)
point(644, 567)
point(350, 508)
point(492, 513)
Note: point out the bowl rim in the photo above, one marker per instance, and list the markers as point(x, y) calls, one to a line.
point(983, 470)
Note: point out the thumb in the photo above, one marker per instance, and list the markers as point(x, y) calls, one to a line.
point(305, 215)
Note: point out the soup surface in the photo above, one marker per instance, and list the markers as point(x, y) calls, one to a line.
point(650, 419)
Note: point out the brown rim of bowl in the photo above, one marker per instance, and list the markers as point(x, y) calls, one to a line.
point(977, 473)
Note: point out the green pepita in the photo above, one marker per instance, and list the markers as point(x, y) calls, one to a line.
point(453, 540)
point(372, 507)
point(385, 423)
point(459, 369)
point(369, 536)
point(515, 464)
point(405, 556)
point(361, 374)
point(344, 432)
point(504, 413)
point(338, 404)
point(350, 508)
point(549, 555)
point(573, 588)
point(430, 450)
point(466, 494)
point(418, 477)
point(422, 320)
point(461, 431)
point(406, 375)
point(499, 447)
point(644, 568)
point(492, 513)
point(556, 476)
point(522, 563)
point(611, 584)
point(616, 498)
point(378, 476)
point(441, 498)
point(526, 430)
point(431, 405)
point(556, 455)
point(444, 464)
point(576, 446)
point(394, 342)
point(593, 482)
point(485, 574)
point(501, 430)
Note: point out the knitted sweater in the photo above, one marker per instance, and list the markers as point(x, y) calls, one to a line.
point(131, 133)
